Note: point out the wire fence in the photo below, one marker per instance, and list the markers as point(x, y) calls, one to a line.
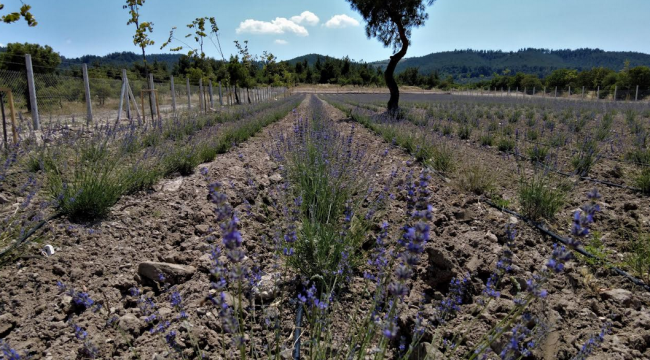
point(62, 101)
point(608, 93)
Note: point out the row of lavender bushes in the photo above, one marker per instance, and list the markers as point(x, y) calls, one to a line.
point(81, 173)
point(326, 208)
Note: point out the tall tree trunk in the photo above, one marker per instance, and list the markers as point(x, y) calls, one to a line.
point(393, 102)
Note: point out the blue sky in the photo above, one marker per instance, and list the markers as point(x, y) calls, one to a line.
point(330, 27)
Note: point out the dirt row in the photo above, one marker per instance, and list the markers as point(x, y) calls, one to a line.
point(174, 224)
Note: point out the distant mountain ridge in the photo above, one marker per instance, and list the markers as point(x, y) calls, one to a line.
point(476, 64)
point(124, 58)
point(541, 62)
point(463, 65)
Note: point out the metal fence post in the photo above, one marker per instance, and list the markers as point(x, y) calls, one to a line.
point(89, 102)
point(173, 90)
point(189, 101)
point(615, 92)
point(583, 92)
point(211, 95)
point(636, 97)
point(201, 104)
point(220, 95)
point(124, 93)
point(32, 92)
point(598, 93)
point(125, 78)
point(556, 92)
point(152, 96)
point(4, 120)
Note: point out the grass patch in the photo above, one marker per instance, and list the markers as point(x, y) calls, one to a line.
point(476, 178)
point(638, 258)
point(642, 181)
point(538, 199)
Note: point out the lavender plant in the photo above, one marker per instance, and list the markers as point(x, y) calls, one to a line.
point(325, 222)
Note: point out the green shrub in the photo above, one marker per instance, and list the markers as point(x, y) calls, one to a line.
point(464, 132)
point(89, 190)
point(180, 160)
point(638, 258)
point(532, 135)
point(477, 179)
point(585, 158)
point(639, 155)
point(538, 199)
point(558, 140)
point(514, 117)
point(141, 177)
point(506, 144)
point(443, 158)
point(642, 181)
point(538, 154)
point(487, 139)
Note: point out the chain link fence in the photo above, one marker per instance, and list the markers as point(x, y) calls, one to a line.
point(16, 81)
point(610, 93)
point(61, 100)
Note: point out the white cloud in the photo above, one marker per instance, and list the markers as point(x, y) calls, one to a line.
point(2, 45)
point(69, 41)
point(278, 26)
point(340, 22)
point(281, 42)
point(307, 17)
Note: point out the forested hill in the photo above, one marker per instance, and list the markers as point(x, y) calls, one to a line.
point(121, 59)
point(541, 62)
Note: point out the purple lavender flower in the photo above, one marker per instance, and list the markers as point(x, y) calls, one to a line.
point(160, 328)
point(558, 257)
point(7, 352)
point(451, 303)
point(593, 342)
point(176, 300)
point(79, 332)
point(389, 328)
point(170, 339)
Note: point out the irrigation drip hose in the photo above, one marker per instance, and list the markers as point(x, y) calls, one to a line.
point(601, 182)
point(296, 349)
point(28, 234)
point(607, 183)
point(568, 243)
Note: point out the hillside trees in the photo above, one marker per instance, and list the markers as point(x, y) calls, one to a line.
point(44, 58)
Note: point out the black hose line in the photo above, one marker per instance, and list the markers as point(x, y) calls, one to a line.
point(568, 243)
point(589, 178)
point(296, 349)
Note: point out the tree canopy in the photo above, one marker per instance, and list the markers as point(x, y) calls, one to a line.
point(391, 21)
point(25, 13)
point(44, 59)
